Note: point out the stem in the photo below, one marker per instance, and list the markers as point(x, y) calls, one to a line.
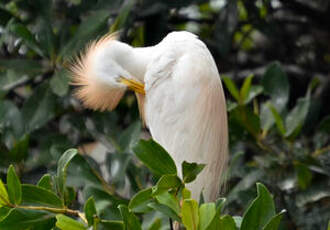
point(320, 151)
point(66, 211)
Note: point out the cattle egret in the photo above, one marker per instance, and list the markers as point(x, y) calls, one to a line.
point(179, 94)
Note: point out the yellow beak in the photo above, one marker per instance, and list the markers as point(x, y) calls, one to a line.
point(133, 85)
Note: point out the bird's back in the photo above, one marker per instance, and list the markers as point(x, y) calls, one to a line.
point(185, 108)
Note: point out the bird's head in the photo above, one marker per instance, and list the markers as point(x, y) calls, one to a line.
point(100, 76)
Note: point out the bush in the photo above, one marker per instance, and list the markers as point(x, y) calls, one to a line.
point(45, 205)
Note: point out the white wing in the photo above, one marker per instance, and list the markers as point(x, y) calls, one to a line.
point(185, 109)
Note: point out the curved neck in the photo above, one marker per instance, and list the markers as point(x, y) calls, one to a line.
point(133, 60)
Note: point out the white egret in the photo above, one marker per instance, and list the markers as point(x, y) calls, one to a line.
point(179, 94)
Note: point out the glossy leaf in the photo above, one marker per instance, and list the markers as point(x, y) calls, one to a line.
point(325, 125)
point(260, 211)
point(66, 223)
point(304, 175)
point(255, 90)
point(165, 183)
point(131, 222)
point(165, 210)
point(207, 212)
point(37, 195)
point(155, 157)
point(227, 222)
point(232, 88)
point(62, 166)
point(278, 119)
point(46, 182)
point(276, 84)
point(16, 218)
point(189, 212)
point(87, 30)
point(274, 223)
point(156, 225)
point(4, 199)
point(20, 149)
point(90, 211)
point(60, 83)
point(139, 202)
point(22, 32)
point(244, 92)
point(111, 224)
point(169, 200)
point(190, 171)
point(27, 66)
point(39, 108)
point(14, 186)
point(296, 118)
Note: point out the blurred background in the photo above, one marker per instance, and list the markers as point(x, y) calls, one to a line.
point(274, 58)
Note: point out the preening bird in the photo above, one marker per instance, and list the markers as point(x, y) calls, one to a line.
point(179, 93)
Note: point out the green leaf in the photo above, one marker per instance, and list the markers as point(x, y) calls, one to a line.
point(155, 157)
point(46, 182)
point(169, 200)
point(232, 88)
point(66, 223)
point(16, 218)
point(4, 199)
point(46, 36)
point(131, 222)
point(14, 186)
point(207, 212)
point(304, 175)
point(62, 166)
point(20, 149)
point(215, 222)
point(227, 222)
point(26, 66)
point(156, 225)
point(165, 210)
point(22, 32)
point(278, 119)
point(186, 193)
point(117, 166)
point(254, 91)
point(238, 221)
point(247, 119)
point(4, 212)
point(325, 125)
point(60, 83)
point(274, 223)
point(276, 85)
point(260, 211)
point(296, 118)
point(37, 195)
point(129, 137)
point(39, 108)
point(122, 17)
point(11, 119)
point(139, 202)
point(110, 224)
point(190, 171)
point(189, 212)
point(86, 31)
point(165, 183)
point(244, 92)
point(90, 211)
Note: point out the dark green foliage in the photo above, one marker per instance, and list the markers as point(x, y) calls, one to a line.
point(275, 56)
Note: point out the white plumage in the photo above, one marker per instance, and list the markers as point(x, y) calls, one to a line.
point(179, 93)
